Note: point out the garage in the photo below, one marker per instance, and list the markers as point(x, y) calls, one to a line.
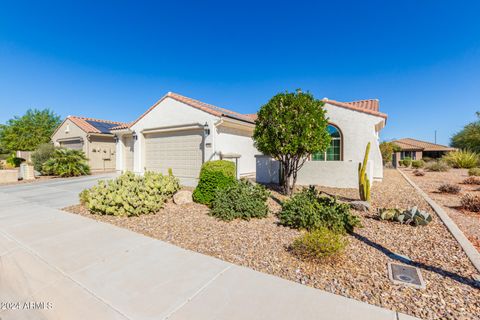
point(76, 144)
point(182, 151)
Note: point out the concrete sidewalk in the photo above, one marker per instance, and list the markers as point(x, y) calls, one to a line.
point(84, 269)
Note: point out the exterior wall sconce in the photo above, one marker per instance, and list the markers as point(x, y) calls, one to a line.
point(115, 137)
point(206, 129)
point(134, 135)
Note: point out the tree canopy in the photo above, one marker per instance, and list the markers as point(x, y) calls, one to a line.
point(469, 137)
point(28, 131)
point(289, 128)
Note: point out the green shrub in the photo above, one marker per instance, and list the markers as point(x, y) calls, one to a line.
point(130, 194)
point(474, 172)
point(417, 164)
point(438, 166)
point(308, 210)
point(461, 159)
point(13, 161)
point(66, 163)
point(319, 244)
point(214, 175)
point(242, 200)
point(427, 159)
point(407, 161)
point(42, 154)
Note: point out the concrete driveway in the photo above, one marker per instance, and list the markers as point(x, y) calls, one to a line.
point(57, 265)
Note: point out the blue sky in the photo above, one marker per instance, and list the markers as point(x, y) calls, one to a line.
point(114, 59)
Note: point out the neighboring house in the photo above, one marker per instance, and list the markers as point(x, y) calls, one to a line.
point(352, 125)
point(92, 136)
point(180, 134)
point(417, 149)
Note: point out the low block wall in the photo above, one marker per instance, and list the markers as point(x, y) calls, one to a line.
point(337, 174)
point(7, 176)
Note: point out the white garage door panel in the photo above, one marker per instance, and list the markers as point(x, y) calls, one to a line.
point(181, 151)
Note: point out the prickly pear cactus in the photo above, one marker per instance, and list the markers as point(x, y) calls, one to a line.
point(363, 181)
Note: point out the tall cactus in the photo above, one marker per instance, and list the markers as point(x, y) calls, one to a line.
point(363, 182)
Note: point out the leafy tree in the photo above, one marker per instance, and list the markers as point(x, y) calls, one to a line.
point(289, 128)
point(469, 137)
point(28, 131)
point(387, 149)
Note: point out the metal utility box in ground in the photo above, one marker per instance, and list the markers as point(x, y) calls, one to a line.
point(406, 275)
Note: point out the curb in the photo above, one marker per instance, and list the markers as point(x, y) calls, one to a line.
point(466, 245)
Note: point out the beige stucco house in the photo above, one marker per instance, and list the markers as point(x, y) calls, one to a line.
point(92, 136)
point(181, 133)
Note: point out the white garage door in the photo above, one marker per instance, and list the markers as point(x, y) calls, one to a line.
point(72, 144)
point(182, 151)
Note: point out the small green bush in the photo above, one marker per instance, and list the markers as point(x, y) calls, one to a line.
point(407, 161)
point(214, 175)
point(42, 154)
point(319, 244)
point(438, 166)
point(427, 159)
point(417, 164)
point(13, 161)
point(461, 159)
point(308, 210)
point(242, 200)
point(130, 194)
point(66, 163)
point(474, 172)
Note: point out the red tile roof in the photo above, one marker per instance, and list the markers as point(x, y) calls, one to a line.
point(209, 108)
point(370, 106)
point(82, 123)
point(408, 144)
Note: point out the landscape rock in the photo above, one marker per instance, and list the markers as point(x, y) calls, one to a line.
point(183, 197)
point(360, 205)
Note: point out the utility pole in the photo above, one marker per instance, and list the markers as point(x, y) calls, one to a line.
point(435, 136)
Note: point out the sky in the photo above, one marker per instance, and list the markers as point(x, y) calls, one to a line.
point(114, 59)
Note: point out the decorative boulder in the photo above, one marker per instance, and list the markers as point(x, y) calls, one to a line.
point(360, 205)
point(183, 197)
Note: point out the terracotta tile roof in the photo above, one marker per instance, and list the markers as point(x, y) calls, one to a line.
point(370, 106)
point(408, 144)
point(91, 125)
point(252, 115)
point(214, 110)
point(122, 126)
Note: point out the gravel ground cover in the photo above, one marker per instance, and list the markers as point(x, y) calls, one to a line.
point(360, 273)
point(468, 222)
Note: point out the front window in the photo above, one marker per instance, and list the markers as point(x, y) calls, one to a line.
point(334, 151)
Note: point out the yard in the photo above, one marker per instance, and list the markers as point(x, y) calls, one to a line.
point(468, 222)
point(360, 273)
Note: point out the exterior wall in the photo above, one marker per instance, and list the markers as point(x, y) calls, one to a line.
point(357, 130)
point(236, 140)
point(418, 155)
point(101, 153)
point(336, 174)
point(73, 132)
point(170, 113)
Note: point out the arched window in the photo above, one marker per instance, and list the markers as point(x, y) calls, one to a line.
point(334, 151)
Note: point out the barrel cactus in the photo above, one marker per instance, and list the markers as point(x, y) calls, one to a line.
point(363, 181)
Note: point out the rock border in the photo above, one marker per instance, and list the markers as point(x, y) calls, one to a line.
point(466, 245)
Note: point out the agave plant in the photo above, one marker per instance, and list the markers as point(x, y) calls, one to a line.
point(412, 216)
point(66, 163)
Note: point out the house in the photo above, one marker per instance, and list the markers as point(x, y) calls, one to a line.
point(92, 136)
point(180, 134)
point(417, 149)
point(352, 125)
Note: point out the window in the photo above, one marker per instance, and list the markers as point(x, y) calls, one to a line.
point(410, 154)
point(334, 151)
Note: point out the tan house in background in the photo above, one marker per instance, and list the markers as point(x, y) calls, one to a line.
point(92, 136)
point(417, 149)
